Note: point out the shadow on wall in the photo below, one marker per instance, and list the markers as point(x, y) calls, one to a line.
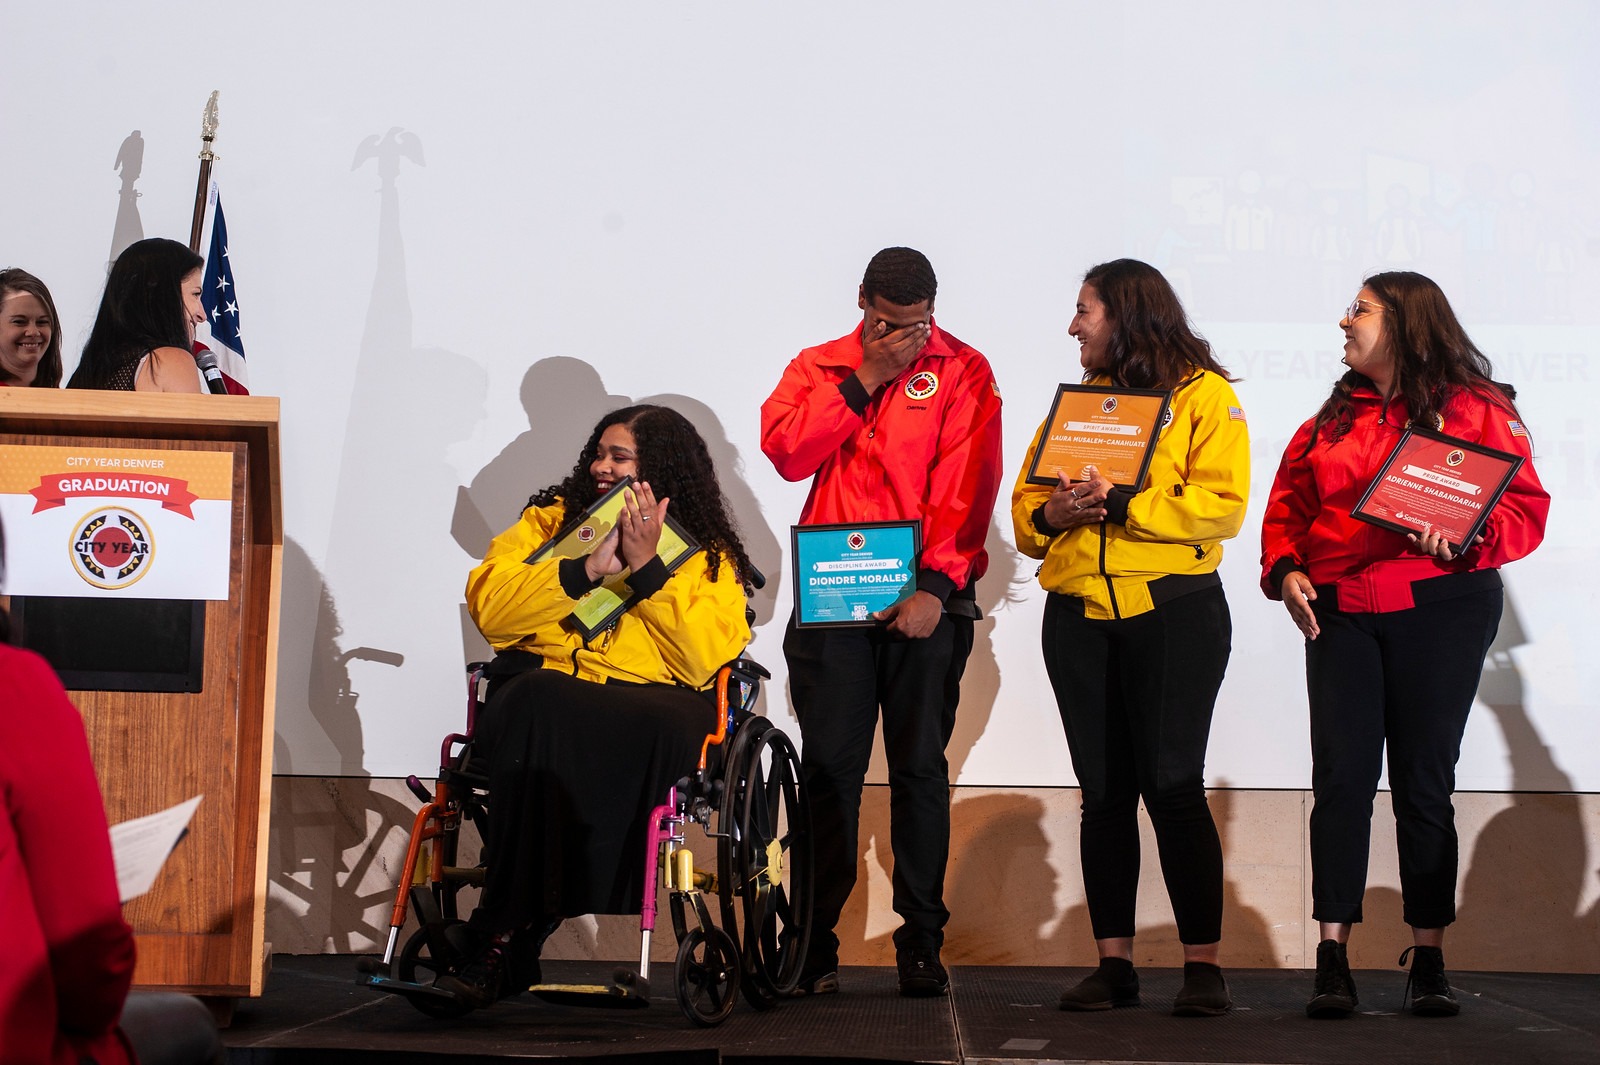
point(760, 543)
point(409, 405)
point(329, 840)
point(1005, 583)
point(563, 398)
point(1011, 872)
point(129, 228)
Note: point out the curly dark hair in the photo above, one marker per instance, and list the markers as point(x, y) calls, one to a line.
point(141, 310)
point(674, 461)
point(1152, 344)
point(1433, 357)
point(903, 276)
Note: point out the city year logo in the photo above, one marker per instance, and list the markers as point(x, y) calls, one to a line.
point(585, 533)
point(1166, 419)
point(1455, 458)
point(1108, 404)
point(922, 384)
point(112, 548)
point(856, 541)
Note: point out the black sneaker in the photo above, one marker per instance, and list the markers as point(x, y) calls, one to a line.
point(818, 976)
point(1204, 992)
point(481, 981)
point(1334, 994)
point(921, 975)
point(1114, 983)
point(1427, 990)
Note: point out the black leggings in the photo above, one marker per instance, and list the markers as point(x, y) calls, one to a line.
point(1404, 679)
point(1136, 696)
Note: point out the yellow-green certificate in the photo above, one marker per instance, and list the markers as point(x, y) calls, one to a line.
point(606, 603)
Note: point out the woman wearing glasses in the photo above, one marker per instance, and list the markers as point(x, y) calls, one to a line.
point(1396, 626)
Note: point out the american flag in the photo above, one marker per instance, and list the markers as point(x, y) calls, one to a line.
point(221, 303)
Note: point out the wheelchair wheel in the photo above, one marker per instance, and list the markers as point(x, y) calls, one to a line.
point(769, 866)
point(416, 965)
point(707, 975)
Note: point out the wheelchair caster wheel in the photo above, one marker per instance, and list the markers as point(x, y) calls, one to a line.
point(707, 976)
point(416, 964)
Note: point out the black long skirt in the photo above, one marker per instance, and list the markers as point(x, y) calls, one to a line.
point(575, 768)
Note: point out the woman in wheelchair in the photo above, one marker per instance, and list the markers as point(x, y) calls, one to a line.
point(584, 736)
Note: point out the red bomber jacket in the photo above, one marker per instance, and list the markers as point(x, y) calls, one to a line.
point(926, 446)
point(1308, 525)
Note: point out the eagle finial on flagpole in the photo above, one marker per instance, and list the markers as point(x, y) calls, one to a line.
point(208, 125)
point(208, 133)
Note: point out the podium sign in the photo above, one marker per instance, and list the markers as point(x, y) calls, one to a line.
point(117, 523)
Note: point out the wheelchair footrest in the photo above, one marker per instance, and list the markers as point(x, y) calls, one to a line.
point(406, 988)
point(628, 990)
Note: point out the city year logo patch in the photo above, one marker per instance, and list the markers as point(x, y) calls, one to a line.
point(922, 384)
point(856, 541)
point(112, 547)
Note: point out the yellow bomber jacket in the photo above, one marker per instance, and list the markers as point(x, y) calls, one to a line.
point(1193, 498)
point(680, 634)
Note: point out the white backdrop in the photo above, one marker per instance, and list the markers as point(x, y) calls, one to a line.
point(459, 237)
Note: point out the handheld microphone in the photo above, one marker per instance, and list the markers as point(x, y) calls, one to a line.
point(208, 369)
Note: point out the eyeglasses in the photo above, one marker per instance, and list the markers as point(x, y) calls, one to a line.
point(1354, 311)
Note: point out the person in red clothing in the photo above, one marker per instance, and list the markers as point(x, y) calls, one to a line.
point(69, 954)
point(1396, 626)
point(896, 420)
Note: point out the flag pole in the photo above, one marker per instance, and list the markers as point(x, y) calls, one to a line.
point(208, 133)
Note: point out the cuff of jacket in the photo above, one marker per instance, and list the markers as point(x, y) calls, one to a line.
point(1117, 505)
point(1044, 527)
point(931, 580)
point(1281, 569)
point(575, 580)
point(649, 578)
point(855, 394)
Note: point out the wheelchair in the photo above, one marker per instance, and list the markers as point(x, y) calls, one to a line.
point(746, 794)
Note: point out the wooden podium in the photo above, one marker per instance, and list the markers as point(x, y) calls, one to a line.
point(201, 927)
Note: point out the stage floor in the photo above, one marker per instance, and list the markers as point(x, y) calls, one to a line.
point(313, 1012)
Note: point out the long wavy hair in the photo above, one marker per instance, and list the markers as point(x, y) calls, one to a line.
point(48, 372)
point(674, 460)
point(1433, 357)
point(1152, 344)
point(141, 310)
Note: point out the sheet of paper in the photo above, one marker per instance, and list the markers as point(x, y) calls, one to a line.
point(140, 847)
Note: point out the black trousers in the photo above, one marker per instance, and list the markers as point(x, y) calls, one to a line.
point(1136, 696)
point(838, 680)
point(1405, 679)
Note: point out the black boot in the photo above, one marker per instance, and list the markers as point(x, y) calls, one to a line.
point(1427, 990)
point(1114, 983)
point(1204, 993)
point(1335, 992)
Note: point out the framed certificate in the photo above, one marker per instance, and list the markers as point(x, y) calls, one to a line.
point(843, 574)
point(1111, 429)
point(1436, 482)
point(606, 603)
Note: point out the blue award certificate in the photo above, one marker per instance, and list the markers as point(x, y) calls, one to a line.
point(843, 574)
